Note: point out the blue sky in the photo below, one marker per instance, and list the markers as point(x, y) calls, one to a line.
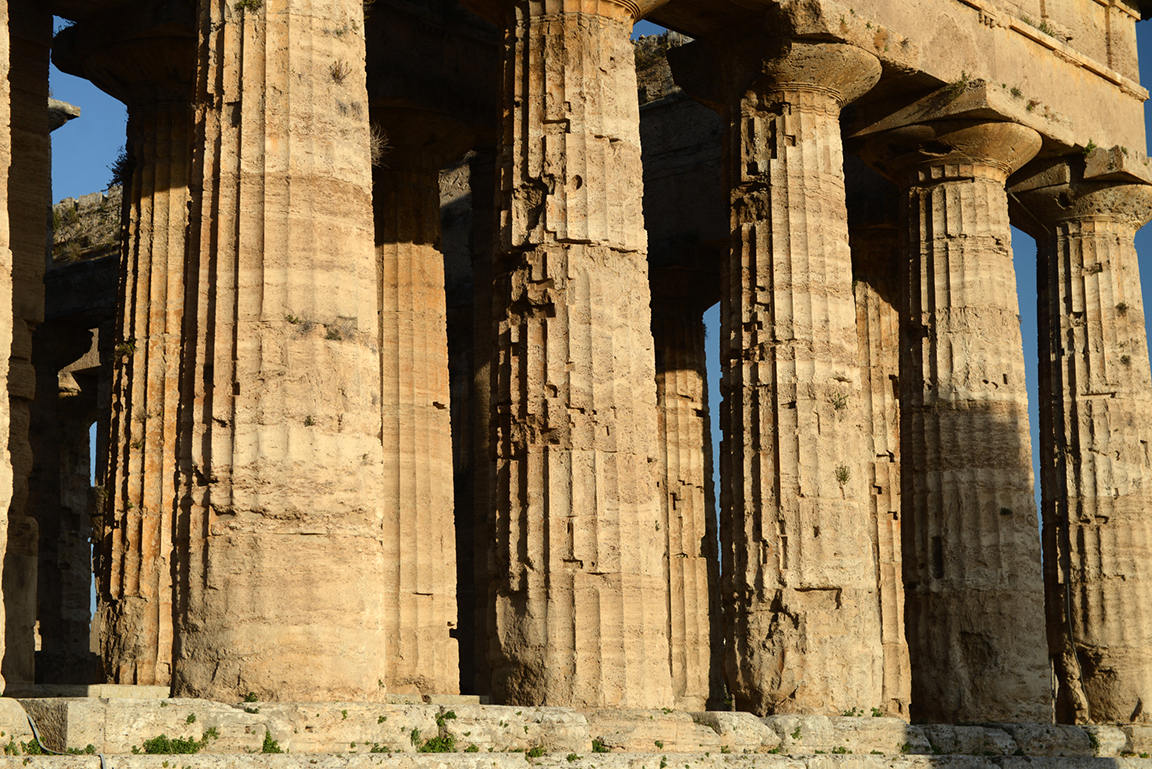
point(83, 150)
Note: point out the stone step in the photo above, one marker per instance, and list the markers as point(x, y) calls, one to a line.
point(609, 761)
point(127, 726)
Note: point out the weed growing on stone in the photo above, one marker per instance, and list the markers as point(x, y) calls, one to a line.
point(89, 750)
point(381, 719)
point(339, 71)
point(598, 746)
point(249, 5)
point(1089, 147)
point(841, 750)
point(163, 745)
point(955, 88)
point(473, 748)
point(573, 758)
point(1126, 359)
point(378, 748)
point(414, 735)
point(877, 713)
point(309, 422)
point(796, 734)
point(252, 710)
point(295, 322)
point(535, 752)
point(250, 697)
point(659, 743)
point(438, 744)
point(725, 749)
point(270, 745)
point(854, 713)
point(776, 750)
point(906, 747)
point(663, 762)
point(843, 474)
point(1122, 308)
point(343, 713)
point(191, 718)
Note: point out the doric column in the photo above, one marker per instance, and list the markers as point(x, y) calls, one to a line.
point(1096, 410)
point(580, 613)
point(874, 236)
point(280, 574)
point(687, 497)
point(799, 583)
point(29, 187)
point(972, 581)
point(5, 292)
point(135, 600)
point(419, 538)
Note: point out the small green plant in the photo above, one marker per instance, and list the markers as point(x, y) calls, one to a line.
point(381, 719)
point(1047, 29)
point(535, 752)
point(854, 713)
point(1144, 755)
point(292, 319)
point(1095, 269)
point(124, 349)
point(251, 710)
point(953, 90)
point(572, 758)
point(1032, 104)
point(212, 733)
point(1126, 359)
point(796, 734)
point(659, 743)
point(877, 713)
point(339, 71)
point(876, 753)
point(666, 711)
point(333, 335)
point(442, 717)
point(840, 401)
point(725, 749)
point(343, 713)
point(309, 422)
point(1016, 92)
point(598, 746)
point(414, 736)
point(12, 749)
point(473, 748)
point(270, 745)
point(32, 748)
point(378, 748)
point(438, 744)
point(776, 750)
point(1122, 308)
point(1089, 148)
point(841, 750)
point(906, 747)
point(249, 5)
point(89, 750)
point(162, 745)
point(843, 474)
point(250, 697)
point(663, 762)
point(191, 718)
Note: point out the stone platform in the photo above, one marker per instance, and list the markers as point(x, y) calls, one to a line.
point(465, 735)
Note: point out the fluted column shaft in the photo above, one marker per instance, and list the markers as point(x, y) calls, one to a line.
point(684, 462)
point(5, 291)
point(876, 284)
point(798, 580)
point(971, 546)
point(1096, 404)
point(580, 614)
point(136, 601)
point(281, 459)
point(419, 542)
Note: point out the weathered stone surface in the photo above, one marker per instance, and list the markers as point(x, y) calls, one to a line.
point(688, 501)
point(970, 540)
point(281, 462)
point(5, 294)
point(1096, 413)
point(836, 734)
point(581, 611)
point(420, 548)
point(972, 740)
point(795, 485)
point(874, 238)
point(30, 31)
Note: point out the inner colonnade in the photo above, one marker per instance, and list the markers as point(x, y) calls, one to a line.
point(333, 471)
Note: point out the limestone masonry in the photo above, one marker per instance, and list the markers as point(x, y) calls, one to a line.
point(391, 328)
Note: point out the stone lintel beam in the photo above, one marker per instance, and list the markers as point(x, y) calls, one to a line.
point(419, 544)
point(789, 349)
point(971, 549)
point(1096, 415)
point(1118, 164)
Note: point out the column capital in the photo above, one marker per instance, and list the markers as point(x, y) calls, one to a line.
point(134, 66)
point(1060, 193)
point(947, 149)
point(721, 74)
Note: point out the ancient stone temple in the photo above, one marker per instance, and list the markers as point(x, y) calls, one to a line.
point(397, 359)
